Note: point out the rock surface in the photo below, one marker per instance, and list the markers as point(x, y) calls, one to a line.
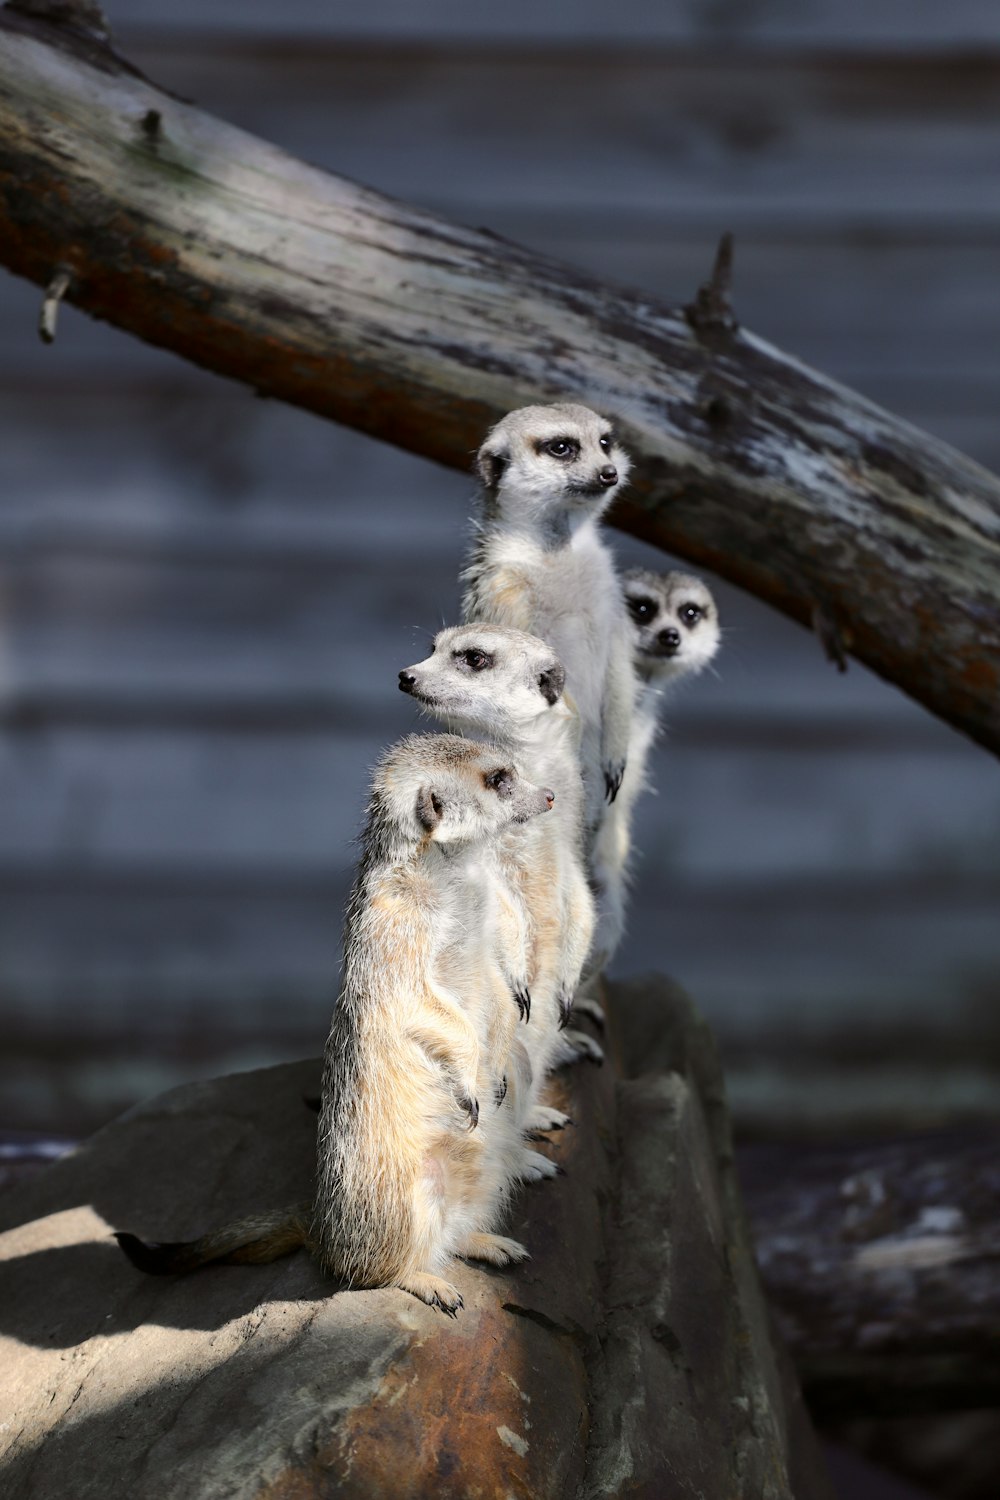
point(631, 1355)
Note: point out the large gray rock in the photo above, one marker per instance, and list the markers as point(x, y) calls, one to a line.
point(631, 1355)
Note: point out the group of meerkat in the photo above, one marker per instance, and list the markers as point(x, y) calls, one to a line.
point(492, 880)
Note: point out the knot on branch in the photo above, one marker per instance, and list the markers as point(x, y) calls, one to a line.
point(712, 308)
point(835, 642)
point(54, 293)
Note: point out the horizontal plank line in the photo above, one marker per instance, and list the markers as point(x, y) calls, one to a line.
point(778, 733)
point(283, 885)
point(35, 541)
point(674, 46)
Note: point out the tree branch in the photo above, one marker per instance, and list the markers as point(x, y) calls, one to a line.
point(200, 238)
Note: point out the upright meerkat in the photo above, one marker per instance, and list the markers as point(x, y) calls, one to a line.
point(410, 1171)
point(505, 685)
point(675, 632)
point(539, 565)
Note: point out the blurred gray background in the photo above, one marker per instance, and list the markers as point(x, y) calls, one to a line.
point(205, 598)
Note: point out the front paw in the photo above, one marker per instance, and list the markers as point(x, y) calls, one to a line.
point(565, 999)
point(500, 1092)
point(522, 999)
point(613, 775)
point(471, 1108)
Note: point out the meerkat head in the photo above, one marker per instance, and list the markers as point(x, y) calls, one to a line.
point(675, 623)
point(439, 788)
point(550, 464)
point(486, 677)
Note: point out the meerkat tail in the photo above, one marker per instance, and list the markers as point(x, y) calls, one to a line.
point(248, 1242)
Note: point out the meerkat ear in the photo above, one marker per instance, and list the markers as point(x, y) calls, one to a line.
point(552, 681)
point(430, 808)
point(491, 460)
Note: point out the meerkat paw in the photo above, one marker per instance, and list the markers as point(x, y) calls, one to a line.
point(522, 999)
point(433, 1290)
point(591, 1009)
point(613, 775)
point(500, 1092)
point(543, 1117)
point(565, 1002)
point(535, 1167)
point(578, 1045)
point(494, 1249)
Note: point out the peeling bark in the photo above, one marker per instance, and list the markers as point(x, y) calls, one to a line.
point(202, 239)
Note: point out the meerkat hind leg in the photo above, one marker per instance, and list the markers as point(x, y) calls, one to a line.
point(535, 1167)
point(576, 1045)
point(544, 1117)
point(494, 1249)
point(433, 1290)
point(592, 1009)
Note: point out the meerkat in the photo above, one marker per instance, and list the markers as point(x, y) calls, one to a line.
point(503, 684)
point(539, 565)
point(410, 1170)
point(675, 633)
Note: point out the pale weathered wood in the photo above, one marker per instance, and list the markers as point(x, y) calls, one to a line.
point(386, 318)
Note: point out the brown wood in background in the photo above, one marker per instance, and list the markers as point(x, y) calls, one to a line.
point(881, 1264)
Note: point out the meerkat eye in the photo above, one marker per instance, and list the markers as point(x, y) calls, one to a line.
point(690, 614)
point(605, 442)
point(500, 781)
point(474, 659)
point(564, 448)
point(642, 610)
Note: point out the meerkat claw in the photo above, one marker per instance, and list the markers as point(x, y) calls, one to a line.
point(500, 1092)
point(613, 779)
point(471, 1107)
point(522, 999)
point(565, 1008)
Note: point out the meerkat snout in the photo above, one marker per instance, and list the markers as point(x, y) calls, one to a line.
point(608, 475)
point(670, 640)
point(407, 682)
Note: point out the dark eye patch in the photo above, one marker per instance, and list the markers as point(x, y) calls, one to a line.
point(564, 448)
point(690, 614)
point(642, 610)
point(607, 441)
point(474, 659)
point(500, 781)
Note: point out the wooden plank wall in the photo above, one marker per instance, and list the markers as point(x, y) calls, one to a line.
point(204, 598)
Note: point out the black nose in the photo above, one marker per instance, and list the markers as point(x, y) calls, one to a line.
point(608, 475)
point(670, 640)
point(407, 682)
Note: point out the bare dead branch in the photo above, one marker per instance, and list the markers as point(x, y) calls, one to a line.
point(207, 241)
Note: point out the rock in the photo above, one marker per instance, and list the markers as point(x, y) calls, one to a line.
point(631, 1355)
